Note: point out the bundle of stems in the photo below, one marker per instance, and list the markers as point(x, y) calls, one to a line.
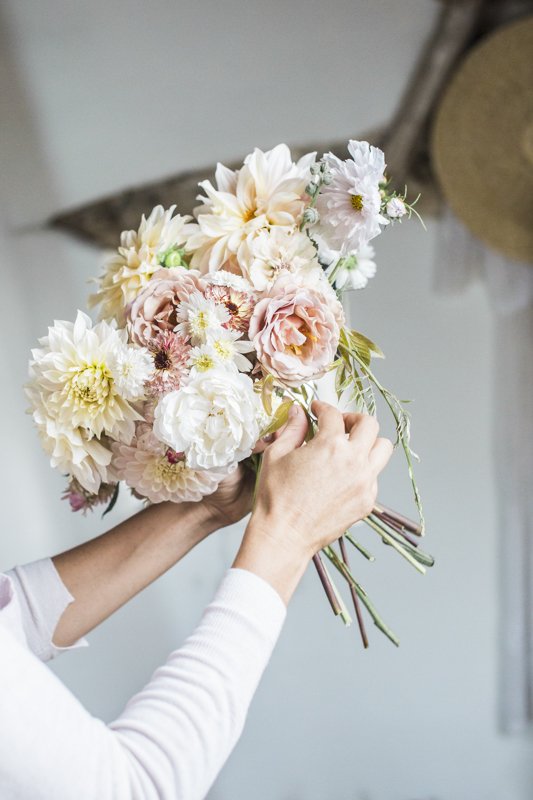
point(395, 530)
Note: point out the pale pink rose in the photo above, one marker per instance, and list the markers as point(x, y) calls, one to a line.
point(154, 310)
point(295, 330)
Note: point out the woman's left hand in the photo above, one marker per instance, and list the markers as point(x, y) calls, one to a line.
point(233, 499)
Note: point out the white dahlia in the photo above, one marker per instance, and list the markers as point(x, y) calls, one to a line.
point(159, 241)
point(268, 252)
point(82, 382)
point(213, 418)
point(268, 190)
point(350, 204)
point(158, 473)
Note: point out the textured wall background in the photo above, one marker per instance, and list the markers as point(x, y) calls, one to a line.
point(100, 96)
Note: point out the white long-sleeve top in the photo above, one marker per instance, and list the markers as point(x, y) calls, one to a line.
point(173, 736)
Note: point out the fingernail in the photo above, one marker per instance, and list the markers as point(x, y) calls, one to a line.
point(269, 438)
point(294, 410)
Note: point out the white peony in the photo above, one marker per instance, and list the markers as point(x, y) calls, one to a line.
point(353, 270)
point(350, 205)
point(213, 418)
point(268, 190)
point(140, 254)
point(158, 473)
point(268, 252)
point(83, 379)
point(198, 317)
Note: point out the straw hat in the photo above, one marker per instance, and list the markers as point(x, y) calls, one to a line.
point(482, 141)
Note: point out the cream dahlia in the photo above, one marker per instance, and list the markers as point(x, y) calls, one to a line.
point(158, 473)
point(212, 418)
point(158, 242)
point(350, 204)
point(269, 190)
point(83, 379)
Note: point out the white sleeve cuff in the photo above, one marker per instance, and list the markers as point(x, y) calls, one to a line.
point(43, 597)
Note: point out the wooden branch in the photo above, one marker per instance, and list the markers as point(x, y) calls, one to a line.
point(407, 131)
point(102, 221)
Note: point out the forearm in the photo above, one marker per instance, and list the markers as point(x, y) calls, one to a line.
point(106, 572)
point(273, 552)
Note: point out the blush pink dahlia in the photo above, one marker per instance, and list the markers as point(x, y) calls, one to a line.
point(156, 472)
point(295, 330)
point(154, 309)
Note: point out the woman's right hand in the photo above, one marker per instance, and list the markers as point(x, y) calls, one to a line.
point(308, 496)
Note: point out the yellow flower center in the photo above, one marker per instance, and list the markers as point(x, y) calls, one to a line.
point(91, 387)
point(248, 214)
point(309, 337)
point(357, 202)
point(204, 362)
point(223, 349)
point(167, 471)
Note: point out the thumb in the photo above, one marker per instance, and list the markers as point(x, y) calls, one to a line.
point(294, 432)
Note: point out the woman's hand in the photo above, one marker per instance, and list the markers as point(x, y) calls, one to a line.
point(233, 499)
point(308, 496)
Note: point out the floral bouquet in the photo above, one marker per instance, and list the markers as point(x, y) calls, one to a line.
point(211, 327)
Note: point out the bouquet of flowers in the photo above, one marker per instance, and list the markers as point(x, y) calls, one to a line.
point(211, 327)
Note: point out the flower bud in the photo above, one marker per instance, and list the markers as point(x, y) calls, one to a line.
point(396, 208)
point(311, 216)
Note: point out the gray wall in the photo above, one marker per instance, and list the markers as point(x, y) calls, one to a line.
point(103, 95)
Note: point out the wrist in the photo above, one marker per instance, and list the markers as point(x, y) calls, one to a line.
point(274, 553)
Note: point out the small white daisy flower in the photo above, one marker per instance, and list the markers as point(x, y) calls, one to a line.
point(198, 317)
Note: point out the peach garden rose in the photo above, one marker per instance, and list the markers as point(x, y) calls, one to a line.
point(154, 310)
point(295, 330)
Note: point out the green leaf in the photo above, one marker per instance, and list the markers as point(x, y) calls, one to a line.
point(112, 502)
point(279, 419)
point(364, 347)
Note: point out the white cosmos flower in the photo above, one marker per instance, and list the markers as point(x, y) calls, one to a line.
point(198, 317)
point(266, 253)
point(350, 205)
point(158, 473)
point(82, 381)
point(353, 270)
point(268, 190)
point(139, 255)
point(229, 348)
point(213, 418)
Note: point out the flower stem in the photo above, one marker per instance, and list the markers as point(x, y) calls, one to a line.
point(355, 599)
point(327, 584)
point(358, 546)
point(388, 539)
point(362, 595)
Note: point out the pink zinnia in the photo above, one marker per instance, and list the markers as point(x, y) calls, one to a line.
point(170, 352)
point(239, 305)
